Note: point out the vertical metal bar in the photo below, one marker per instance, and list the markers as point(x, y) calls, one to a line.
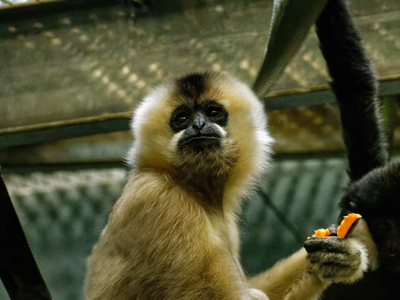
point(18, 269)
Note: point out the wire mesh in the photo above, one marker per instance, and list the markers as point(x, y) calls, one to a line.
point(63, 213)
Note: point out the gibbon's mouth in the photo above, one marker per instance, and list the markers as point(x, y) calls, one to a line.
point(200, 142)
point(201, 139)
point(391, 263)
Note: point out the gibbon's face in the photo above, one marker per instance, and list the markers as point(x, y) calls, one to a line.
point(199, 127)
point(376, 198)
point(203, 123)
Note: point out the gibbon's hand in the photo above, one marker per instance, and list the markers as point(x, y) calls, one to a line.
point(336, 259)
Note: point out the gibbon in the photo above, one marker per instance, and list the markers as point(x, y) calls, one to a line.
point(374, 185)
point(200, 146)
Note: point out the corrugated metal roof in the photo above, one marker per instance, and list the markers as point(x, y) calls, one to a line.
point(95, 60)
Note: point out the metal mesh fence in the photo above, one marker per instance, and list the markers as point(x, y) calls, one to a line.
point(298, 196)
point(63, 213)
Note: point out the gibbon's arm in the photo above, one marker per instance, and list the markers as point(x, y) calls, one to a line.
point(355, 87)
point(304, 276)
point(289, 276)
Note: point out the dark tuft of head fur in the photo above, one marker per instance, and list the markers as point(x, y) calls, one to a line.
point(377, 193)
point(193, 85)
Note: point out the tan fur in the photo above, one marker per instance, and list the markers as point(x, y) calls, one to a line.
point(291, 279)
point(166, 238)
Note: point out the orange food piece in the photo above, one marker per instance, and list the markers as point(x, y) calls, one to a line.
point(322, 232)
point(343, 228)
point(346, 224)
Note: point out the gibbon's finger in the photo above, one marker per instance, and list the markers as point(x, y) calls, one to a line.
point(333, 230)
point(313, 244)
point(332, 258)
point(330, 244)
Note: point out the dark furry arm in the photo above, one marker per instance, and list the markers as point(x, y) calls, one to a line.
point(355, 87)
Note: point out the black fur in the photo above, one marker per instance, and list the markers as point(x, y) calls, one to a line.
point(376, 193)
point(374, 187)
point(192, 86)
point(356, 89)
point(375, 285)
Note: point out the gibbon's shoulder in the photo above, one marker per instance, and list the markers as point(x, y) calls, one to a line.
point(148, 182)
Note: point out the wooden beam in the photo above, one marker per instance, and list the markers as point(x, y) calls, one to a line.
point(320, 95)
point(41, 133)
point(47, 132)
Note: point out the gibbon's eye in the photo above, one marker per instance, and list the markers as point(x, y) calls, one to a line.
point(213, 112)
point(181, 118)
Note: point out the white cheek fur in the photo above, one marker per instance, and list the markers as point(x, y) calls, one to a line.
point(174, 141)
point(221, 130)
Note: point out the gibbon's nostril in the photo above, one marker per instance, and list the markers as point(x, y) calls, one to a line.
point(199, 121)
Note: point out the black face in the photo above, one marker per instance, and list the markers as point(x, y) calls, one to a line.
point(198, 123)
point(376, 198)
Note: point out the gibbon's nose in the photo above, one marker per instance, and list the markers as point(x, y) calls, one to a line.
point(199, 121)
